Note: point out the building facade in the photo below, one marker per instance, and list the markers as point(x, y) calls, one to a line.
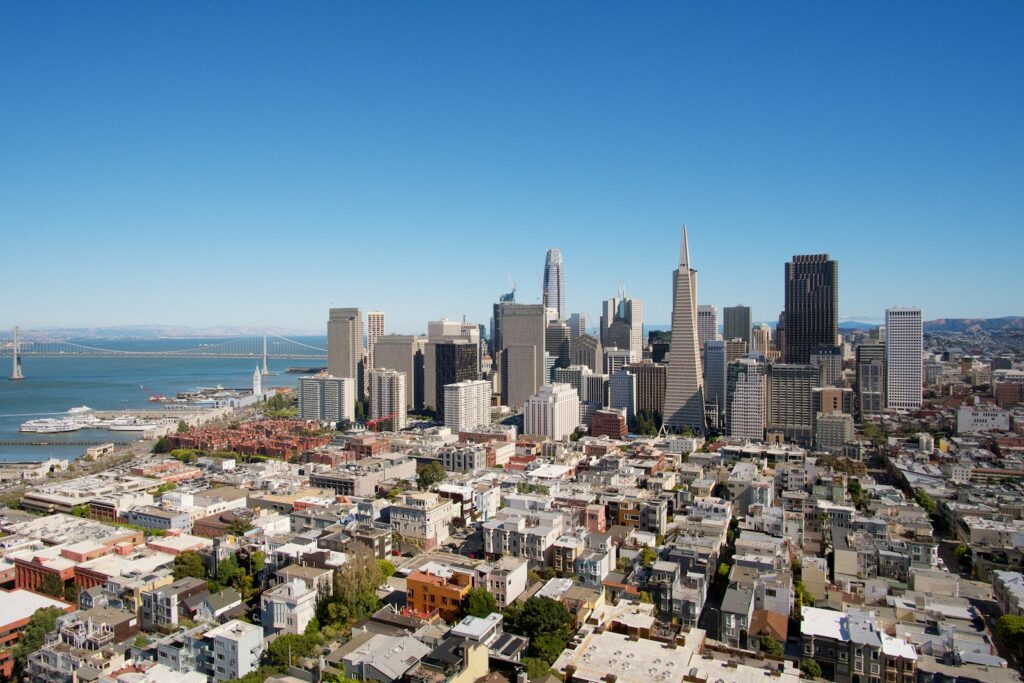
point(812, 305)
point(554, 411)
point(904, 365)
point(684, 388)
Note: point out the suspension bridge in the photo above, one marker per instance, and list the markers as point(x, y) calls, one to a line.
point(20, 344)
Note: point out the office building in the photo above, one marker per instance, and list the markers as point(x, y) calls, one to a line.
point(737, 323)
point(903, 358)
point(445, 332)
point(828, 358)
point(522, 332)
point(812, 305)
point(609, 422)
point(557, 338)
point(595, 389)
point(554, 412)
point(622, 393)
point(327, 399)
point(762, 340)
point(387, 397)
point(554, 283)
point(650, 386)
point(684, 389)
point(707, 324)
point(467, 404)
point(453, 362)
point(398, 352)
point(832, 432)
point(586, 350)
point(622, 325)
point(577, 326)
point(374, 331)
point(790, 386)
point(747, 392)
point(344, 342)
point(615, 359)
point(870, 379)
point(574, 375)
point(716, 376)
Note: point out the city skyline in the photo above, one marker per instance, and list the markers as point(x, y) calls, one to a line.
point(212, 151)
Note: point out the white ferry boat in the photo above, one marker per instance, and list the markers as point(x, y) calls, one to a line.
point(50, 425)
point(127, 423)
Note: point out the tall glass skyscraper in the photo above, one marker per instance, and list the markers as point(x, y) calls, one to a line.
point(554, 283)
point(812, 305)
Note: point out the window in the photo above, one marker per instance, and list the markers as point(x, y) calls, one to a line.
point(843, 656)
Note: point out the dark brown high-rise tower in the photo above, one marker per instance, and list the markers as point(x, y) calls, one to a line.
point(812, 305)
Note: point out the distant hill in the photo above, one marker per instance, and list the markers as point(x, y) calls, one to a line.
point(1015, 322)
point(857, 325)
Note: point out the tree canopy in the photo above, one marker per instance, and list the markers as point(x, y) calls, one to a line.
point(189, 563)
point(430, 475)
point(42, 622)
point(479, 603)
point(355, 591)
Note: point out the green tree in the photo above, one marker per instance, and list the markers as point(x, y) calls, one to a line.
point(80, 511)
point(182, 426)
point(39, 624)
point(536, 667)
point(856, 491)
point(164, 488)
point(289, 648)
point(622, 564)
point(71, 592)
point(257, 561)
point(1010, 632)
point(648, 555)
point(52, 585)
point(189, 563)
point(546, 622)
point(533, 577)
point(479, 603)
point(430, 475)
point(239, 526)
point(163, 445)
point(387, 569)
point(772, 647)
point(645, 598)
point(355, 591)
point(926, 502)
point(810, 669)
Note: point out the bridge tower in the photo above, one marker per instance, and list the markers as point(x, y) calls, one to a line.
point(265, 371)
point(16, 373)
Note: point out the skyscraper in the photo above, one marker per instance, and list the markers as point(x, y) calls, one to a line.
point(812, 305)
point(556, 342)
point(455, 361)
point(398, 352)
point(554, 283)
point(870, 365)
point(586, 350)
point(684, 390)
point(762, 338)
point(577, 326)
point(387, 397)
point(443, 332)
point(737, 323)
point(650, 386)
point(521, 352)
point(747, 399)
point(622, 325)
point(374, 331)
point(327, 399)
point(344, 342)
point(829, 361)
point(554, 411)
point(789, 402)
point(903, 361)
point(622, 393)
point(467, 404)
point(707, 324)
point(716, 374)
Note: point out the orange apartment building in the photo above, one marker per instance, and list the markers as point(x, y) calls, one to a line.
point(16, 608)
point(441, 588)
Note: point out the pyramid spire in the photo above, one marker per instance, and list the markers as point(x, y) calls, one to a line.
point(684, 250)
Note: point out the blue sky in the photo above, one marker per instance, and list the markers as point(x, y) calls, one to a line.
point(256, 163)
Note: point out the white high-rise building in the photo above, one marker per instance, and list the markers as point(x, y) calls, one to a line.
point(747, 395)
point(554, 412)
point(467, 404)
point(763, 339)
point(707, 324)
point(387, 397)
point(374, 331)
point(554, 283)
point(327, 399)
point(257, 382)
point(622, 391)
point(904, 358)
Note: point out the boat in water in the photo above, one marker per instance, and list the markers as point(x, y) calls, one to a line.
point(126, 423)
point(50, 425)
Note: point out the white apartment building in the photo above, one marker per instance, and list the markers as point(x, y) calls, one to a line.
point(288, 608)
point(237, 648)
point(507, 579)
point(529, 534)
point(904, 366)
point(327, 399)
point(423, 517)
point(387, 396)
point(971, 419)
point(467, 405)
point(554, 411)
